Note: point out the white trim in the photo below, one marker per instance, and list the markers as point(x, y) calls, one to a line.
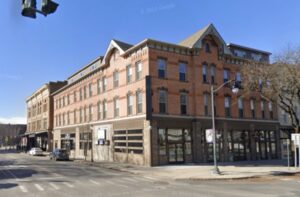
point(102, 121)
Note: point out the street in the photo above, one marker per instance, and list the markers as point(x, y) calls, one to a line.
point(28, 176)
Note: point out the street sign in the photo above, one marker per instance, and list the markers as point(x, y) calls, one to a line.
point(209, 133)
point(296, 138)
point(67, 136)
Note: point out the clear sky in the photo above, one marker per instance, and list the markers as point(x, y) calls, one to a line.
point(33, 52)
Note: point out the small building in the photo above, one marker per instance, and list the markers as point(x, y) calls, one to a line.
point(149, 104)
point(10, 134)
point(40, 117)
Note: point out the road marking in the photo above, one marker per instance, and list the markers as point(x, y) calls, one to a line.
point(96, 183)
point(68, 184)
point(54, 186)
point(130, 180)
point(298, 181)
point(12, 174)
point(39, 187)
point(121, 183)
point(23, 188)
point(285, 179)
point(153, 179)
point(144, 179)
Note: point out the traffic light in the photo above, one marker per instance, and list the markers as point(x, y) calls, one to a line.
point(29, 8)
point(49, 7)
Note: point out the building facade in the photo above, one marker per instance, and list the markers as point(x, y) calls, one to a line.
point(10, 134)
point(149, 104)
point(40, 117)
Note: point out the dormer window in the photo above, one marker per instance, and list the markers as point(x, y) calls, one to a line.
point(207, 48)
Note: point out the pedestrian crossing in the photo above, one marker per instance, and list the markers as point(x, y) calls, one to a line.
point(122, 182)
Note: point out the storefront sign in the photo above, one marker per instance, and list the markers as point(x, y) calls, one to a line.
point(209, 133)
point(296, 138)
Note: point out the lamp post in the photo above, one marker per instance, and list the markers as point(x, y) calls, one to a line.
point(235, 90)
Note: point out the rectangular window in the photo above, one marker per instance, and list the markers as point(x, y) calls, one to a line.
point(130, 141)
point(63, 102)
point(206, 103)
point(213, 73)
point(183, 103)
point(262, 107)
point(241, 107)
point(84, 92)
point(182, 71)
point(252, 107)
point(139, 102)
point(188, 141)
point(75, 96)
point(227, 103)
point(138, 68)
point(104, 84)
point(116, 79)
point(116, 107)
point(128, 73)
point(161, 67)
point(90, 90)
point(85, 114)
point(99, 110)
point(91, 113)
point(75, 116)
point(271, 110)
point(238, 77)
point(225, 75)
point(162, 101)
point(129, 104)
point(204, 73)
point(162, 141)
point(104, 109)
point(99, 86)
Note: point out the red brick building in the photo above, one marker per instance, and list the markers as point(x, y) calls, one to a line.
point(149, 104)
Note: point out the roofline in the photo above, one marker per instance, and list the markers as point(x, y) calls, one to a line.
point(95, 60)
point(248, 48)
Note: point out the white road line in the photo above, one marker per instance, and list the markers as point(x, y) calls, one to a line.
point(285, 179)
point(54, 186)
point(23, 188)
point(96, 183)
point(153, 179)
point(130, 180)
point(120, 183)
point(68, 184)
point(39, 187)
point(144, 179)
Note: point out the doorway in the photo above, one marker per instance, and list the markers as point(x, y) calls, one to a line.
point(175, 146)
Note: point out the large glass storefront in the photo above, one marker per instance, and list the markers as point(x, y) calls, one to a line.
point(175, 144)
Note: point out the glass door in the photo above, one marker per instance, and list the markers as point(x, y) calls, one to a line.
point(175, 146)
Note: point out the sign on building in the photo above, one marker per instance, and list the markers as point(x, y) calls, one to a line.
point(209, 133)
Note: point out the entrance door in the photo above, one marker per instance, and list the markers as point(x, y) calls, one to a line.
point(175, 146)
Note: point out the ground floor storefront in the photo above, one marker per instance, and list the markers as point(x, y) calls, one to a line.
point(165, 140)
point(40, 139)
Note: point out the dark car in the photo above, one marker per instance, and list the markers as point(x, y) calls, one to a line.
point(59, 154)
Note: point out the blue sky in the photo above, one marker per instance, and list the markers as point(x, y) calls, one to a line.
point(33, 52)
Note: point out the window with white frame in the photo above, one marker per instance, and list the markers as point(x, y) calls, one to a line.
point(213, 73)
point(241, 107)
point(128, 73)
point(116, 107)
point(139, 101)
point(227, 104)
point(129, 104)
point(252, 107)
point(116, 79)
point(138, 73)
point(161, 67)
point(183, 103)
point(162, 101)
point(182, 71)
point(204, 73)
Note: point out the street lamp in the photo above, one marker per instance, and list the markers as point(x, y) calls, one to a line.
point(234, 90)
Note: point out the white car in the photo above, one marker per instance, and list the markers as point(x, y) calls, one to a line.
point(35, 151)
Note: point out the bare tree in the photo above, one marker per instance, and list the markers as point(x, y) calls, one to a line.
point(278, 82)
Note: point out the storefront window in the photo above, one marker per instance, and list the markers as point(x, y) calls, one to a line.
point(188, 143)
point(162, 141)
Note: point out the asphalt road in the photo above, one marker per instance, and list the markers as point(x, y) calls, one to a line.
point(23, 176)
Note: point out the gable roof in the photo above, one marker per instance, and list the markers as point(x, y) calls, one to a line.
point(195, 40)
point(124, 46)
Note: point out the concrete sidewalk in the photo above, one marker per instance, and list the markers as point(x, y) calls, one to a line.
point(236, 170)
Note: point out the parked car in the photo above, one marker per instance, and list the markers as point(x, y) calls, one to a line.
point(59, 154)
point(35, 151)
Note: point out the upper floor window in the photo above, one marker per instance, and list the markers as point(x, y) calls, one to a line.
point(161, 67)
point(183, 103)
point(238, 77)
point(129, 104)
point(207, 48)
point(75, 116)
point(104, 84)
point(271, 110)
point(262, 107)
point(252, 107)
point(213, 73)
point(90, 90)
point(227, 104)
point(206, 103)
point(68, 118)
point(68, 99)
point(204, 73)
point(75, 96)
point(99, 110)
point(116, 79)
point(138, 74)
point(84, 92)
point(116, 107)
point(162, 101)
point(85, 115)
point(91, 112)
point(98, 86)
point(63, 104)
point(104, 107)
point(81, 115)
point(182, 71)
point(139, 102)
point(241, 107)
point(128, 73)
point(80, 94)
point(225, 75)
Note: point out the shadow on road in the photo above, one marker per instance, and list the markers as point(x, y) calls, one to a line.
point(7, 185)
point(16, 173)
